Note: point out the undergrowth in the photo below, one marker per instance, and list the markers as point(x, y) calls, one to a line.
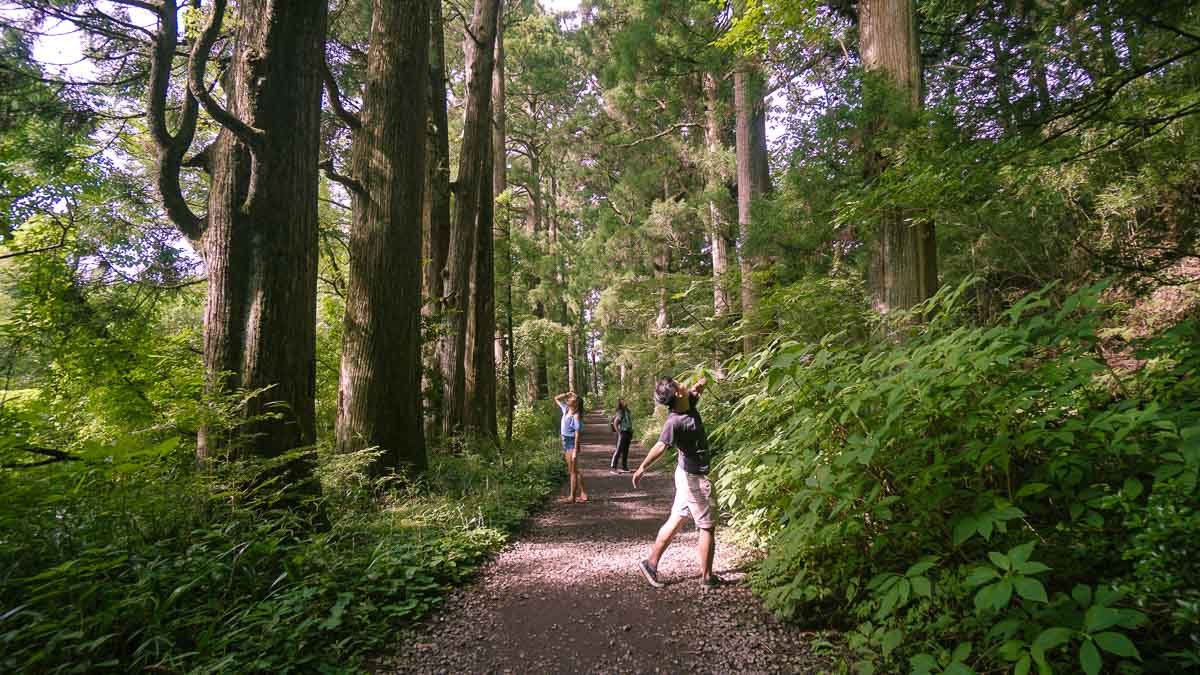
point(964, 498)
point(157, 567)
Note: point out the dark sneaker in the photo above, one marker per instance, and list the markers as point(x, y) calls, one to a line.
point(713, 581)
point(650, 573)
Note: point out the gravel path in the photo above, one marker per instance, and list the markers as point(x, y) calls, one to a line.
point(567, 596)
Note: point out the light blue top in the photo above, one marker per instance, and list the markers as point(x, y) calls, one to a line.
point(570, 424)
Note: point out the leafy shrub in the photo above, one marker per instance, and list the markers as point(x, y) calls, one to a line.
point(153, 567)
point(975, 496)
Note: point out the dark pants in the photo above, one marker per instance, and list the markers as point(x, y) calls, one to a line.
point(622, 450)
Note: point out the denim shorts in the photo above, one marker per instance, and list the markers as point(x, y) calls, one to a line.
point(568, 443)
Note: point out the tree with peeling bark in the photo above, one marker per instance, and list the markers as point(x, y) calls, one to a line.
point(379, 394)
point(258, 237)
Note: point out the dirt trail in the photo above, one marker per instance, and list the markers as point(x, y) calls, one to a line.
point(566, 597)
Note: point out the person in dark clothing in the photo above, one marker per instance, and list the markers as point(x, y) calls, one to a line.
point(684, 431)
point(622, 423)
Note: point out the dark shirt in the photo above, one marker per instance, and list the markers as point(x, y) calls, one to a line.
point(684, 431)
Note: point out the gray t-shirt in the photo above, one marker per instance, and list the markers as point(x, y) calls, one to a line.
point(684, 431)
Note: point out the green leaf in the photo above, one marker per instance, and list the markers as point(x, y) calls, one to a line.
point(1004, 591)
point(981, 575)
point(922, 664)
point(958, 668)
point(919, 568)
point(964, 530)
point(1022, 667)
point(1082, 594)
point(1089, 658)
point(1020, 554)
point(985, 597)
point(1132, 488)
point(1032, 568)
point(1029, 489)
point(922, 587)
point(999, 560)
point(1116, 643)
point(1049, 639)
point(1030, 589)
point(961, 652)
point(1098, 618)
point(891, 640)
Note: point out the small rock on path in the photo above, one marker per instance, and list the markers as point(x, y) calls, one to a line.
point(567, 596)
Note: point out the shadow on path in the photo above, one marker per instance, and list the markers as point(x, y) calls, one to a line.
point(567, 597)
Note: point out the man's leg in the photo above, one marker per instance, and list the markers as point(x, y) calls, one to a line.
point(623, 449)
point(665, 534)
point(706, 547)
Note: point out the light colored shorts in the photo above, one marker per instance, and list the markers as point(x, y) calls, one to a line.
point(694, 497)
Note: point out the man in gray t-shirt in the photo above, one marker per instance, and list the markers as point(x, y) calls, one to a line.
point(684, 431)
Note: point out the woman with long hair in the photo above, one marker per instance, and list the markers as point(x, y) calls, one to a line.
point(571, 430)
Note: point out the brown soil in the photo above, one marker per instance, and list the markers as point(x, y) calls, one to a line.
point(567, 596)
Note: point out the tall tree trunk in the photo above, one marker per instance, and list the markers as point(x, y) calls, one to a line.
point(499, 185)
point(541, 378)
point(904, 271)
point(260, 244)
point(435, 242)
point(572, 381)
point(595, 370)
point(662, 261)
point(480, 378)
point(534, 223)
point(753, 178)
point(717, 227)
point(379, 396)
point(474, 151)
point(510, 360)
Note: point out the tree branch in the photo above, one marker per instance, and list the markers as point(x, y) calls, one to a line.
point(335, 101)
point(53, 455)
point(664, 132)
point(347, 182)
point(197, 62)
point(171, 148)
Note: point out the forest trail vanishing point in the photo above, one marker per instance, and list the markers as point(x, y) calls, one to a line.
point(566, 596)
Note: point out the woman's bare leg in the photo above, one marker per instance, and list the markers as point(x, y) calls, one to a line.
point(571, 473)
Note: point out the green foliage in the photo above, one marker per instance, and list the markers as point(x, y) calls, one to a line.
point(151, 567)
point(975, 495)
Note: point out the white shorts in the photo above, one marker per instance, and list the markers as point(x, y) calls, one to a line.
point(694, 498)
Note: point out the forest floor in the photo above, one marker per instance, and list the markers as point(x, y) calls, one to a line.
point(566, 596)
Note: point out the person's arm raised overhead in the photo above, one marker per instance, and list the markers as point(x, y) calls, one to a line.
point(699, 386)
